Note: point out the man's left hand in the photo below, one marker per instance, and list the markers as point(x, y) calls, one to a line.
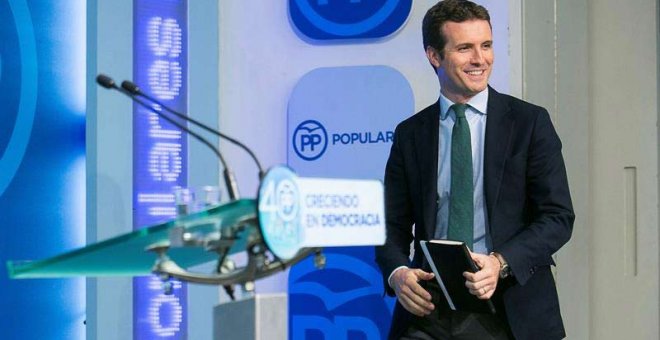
point(483, 283)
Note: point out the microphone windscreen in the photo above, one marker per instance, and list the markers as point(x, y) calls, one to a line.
point(130, 87)
point(105, 81)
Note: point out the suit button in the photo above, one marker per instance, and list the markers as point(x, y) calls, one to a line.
point(531, 270)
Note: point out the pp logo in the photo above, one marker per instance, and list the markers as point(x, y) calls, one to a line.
point(348, 19)
point(343, 301)
point(310, 140)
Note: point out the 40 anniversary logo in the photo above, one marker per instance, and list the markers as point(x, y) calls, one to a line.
point(18, 79)
point(311, 139)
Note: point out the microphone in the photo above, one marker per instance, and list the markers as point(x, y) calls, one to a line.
point(135, 90)
point(106, 81)
point(230, 180)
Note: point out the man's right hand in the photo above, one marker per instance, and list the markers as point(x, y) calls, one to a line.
point(411, 295)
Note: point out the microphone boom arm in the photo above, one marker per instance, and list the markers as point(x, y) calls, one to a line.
point(228, 175)
point(135, 90)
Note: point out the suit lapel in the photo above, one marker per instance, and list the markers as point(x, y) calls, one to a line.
point(426, 146)
point(499, 126)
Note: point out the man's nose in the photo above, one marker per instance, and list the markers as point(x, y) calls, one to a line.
point(477, 56)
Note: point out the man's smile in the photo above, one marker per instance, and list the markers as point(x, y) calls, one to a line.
point(475, 72)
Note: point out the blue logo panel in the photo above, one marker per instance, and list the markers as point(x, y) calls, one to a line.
point(348, 19)
point(340, 124)
point(342, 119)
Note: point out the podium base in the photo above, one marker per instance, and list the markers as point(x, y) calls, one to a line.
point(264, 316)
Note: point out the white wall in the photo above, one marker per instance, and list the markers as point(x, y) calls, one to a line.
point(594, 65)
point(624, 136)
point(203, 168)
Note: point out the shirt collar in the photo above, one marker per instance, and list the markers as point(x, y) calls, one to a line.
point(478, 104)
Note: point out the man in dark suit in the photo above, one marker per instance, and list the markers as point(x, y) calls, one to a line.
point(484, 168)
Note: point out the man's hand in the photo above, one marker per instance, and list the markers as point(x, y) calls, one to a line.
point(411, 295)
point(483, 283)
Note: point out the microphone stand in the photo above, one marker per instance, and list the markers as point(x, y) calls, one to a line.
point(230, 179)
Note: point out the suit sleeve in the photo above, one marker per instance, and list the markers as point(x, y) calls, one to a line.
point(398, 214)
point(549, 202)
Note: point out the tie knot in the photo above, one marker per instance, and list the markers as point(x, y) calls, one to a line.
point(459, 110)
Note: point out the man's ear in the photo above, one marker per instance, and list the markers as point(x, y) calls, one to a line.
point(434, 56)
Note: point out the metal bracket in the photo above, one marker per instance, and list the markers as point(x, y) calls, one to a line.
point(261, 262)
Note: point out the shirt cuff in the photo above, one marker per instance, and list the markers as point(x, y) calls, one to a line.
point(389, 279)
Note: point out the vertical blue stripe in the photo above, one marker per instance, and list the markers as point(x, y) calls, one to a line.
point(159, 152)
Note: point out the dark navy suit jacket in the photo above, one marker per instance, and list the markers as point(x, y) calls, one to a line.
point(530, 214)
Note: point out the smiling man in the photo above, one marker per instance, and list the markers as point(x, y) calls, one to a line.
point(483, 168)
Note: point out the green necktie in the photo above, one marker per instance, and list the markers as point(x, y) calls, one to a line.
point(461, 208)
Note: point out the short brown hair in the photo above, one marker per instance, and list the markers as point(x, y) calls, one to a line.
point(449, 10)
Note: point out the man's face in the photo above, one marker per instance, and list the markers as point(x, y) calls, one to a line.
point(465, 67)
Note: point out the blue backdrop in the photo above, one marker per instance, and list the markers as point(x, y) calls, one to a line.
point(42, 164)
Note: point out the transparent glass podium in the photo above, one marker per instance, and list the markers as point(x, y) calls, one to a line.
point(166, 249)
point(129, 255)
point(170, 247)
